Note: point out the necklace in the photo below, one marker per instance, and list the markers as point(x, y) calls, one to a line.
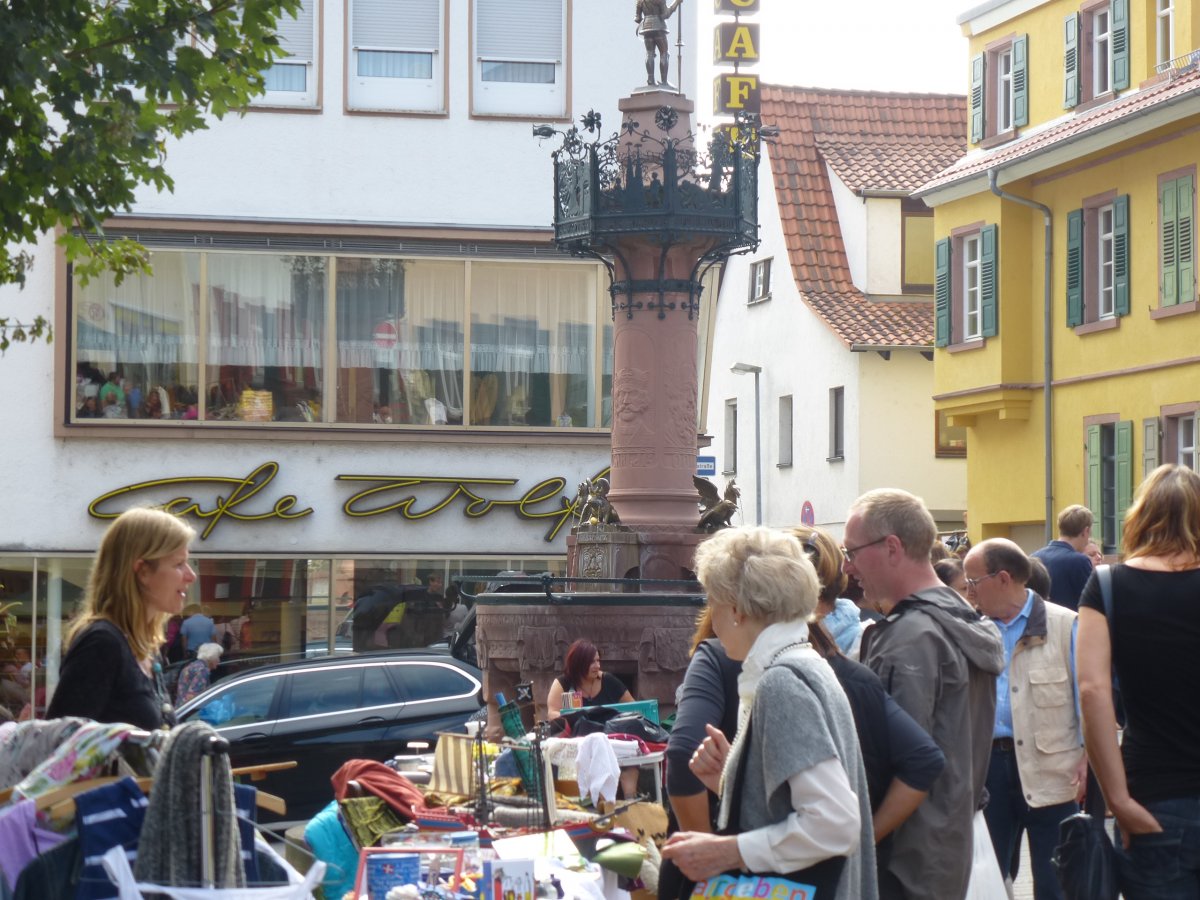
point(784, 649)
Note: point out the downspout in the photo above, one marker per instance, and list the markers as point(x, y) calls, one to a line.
point(1047, 345)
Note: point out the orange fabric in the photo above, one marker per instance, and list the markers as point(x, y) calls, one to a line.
point(387, 784)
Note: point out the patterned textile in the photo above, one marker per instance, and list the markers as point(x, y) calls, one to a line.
point(25, 745)
point(85, 754)
point(368, 819)
point(193, 678)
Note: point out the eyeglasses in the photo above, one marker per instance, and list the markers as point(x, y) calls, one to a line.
point(849, 552)
point(973, 583)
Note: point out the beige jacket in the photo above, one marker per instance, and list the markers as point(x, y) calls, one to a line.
point(1045, 715)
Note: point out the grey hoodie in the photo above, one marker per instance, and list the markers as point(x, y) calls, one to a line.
point(939, 660)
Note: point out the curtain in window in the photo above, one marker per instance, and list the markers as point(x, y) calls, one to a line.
point(266, 311)
point(533, 328)
point(147, 319)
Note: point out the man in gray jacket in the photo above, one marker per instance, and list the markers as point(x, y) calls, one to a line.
point(939, 659)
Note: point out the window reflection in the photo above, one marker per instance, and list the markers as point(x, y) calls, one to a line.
point(532, 345)
point(136, 342)
point(266, 324)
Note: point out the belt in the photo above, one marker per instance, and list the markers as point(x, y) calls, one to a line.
point(1003, 744)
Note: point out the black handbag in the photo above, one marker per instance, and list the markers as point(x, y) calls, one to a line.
point(1084, 859)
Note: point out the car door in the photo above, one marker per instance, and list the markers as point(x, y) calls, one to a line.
point(437, 697)
point(244, 712)
point(331, 714)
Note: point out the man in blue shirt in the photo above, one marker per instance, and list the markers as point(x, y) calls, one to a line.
point(1037, 770)
point(1068, 565)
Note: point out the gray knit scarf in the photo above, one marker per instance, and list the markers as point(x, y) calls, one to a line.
point(169, 847)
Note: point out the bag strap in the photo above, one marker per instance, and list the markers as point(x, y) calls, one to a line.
point(1093, 803)
point(1104, 576)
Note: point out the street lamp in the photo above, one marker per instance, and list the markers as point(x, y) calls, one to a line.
point(742, 369)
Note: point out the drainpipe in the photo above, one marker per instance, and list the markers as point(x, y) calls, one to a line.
point(1047, 345)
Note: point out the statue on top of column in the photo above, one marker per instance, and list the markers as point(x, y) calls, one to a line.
point(651, 17)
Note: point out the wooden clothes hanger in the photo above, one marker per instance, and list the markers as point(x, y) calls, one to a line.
point(60, 802)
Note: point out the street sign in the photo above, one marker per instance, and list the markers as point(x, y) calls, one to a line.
point(385, 335)
point(706, 466)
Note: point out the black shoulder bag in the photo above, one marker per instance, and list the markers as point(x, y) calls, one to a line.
point(1084, 859)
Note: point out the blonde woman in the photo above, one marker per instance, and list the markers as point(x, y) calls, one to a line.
point(111, 672)
point(1150, 638)
point(794, 798)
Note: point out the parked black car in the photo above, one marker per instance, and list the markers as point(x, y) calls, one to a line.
point(323, 712)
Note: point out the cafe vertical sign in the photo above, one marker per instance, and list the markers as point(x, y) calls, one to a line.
point(736, 44)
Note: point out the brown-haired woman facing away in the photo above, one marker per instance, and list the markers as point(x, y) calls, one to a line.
point(1152, 780)
point(111, 671)
point(841, 617)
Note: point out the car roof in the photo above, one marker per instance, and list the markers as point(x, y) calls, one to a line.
point(381, 656)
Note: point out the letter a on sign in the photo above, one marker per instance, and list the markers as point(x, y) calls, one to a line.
point(736, 42)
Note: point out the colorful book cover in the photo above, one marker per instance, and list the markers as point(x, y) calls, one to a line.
point(755, 887)
point(388, 870)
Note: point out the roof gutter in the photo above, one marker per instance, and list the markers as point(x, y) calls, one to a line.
point(1047, 341)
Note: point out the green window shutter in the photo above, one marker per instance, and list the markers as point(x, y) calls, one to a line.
point(1124, 475)
point(1074, 268)
point(1185, 239)
point(1121, 255)
point(1071, 61)
point(977, 99)
point(941, 293)
point(1020, 80)
point(1095, 493)
point(987, 280)
point(1149, 445)
point(1119, 29)
point(1168, 261)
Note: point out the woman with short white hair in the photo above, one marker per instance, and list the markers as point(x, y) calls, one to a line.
point(194, 677)
point(794, 796)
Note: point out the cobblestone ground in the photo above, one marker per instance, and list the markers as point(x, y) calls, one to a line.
point(1022, 888)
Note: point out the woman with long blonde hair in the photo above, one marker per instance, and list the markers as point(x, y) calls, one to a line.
point(111, 671)
point(1149, 637)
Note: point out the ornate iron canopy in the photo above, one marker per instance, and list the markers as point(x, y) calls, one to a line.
point(658, 188)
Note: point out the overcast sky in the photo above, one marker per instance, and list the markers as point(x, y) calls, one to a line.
point(865, 44)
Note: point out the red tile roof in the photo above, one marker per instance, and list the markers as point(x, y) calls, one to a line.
point(1073, 127)
point(874, 141)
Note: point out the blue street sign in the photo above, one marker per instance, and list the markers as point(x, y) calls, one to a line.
point(706, 466)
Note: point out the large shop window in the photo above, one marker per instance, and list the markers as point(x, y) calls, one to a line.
point(965, 268)
point(519, 61)
point(362, 341)
point(1109, 478)
point(396, 58)
point(292, 80)
point(1097, 274)
point(263, 611)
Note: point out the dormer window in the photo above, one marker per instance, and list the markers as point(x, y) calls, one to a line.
point(999, 89)
point(1095, 51)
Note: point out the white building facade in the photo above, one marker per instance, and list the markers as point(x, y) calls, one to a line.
point(834, 309)
point(359, 356)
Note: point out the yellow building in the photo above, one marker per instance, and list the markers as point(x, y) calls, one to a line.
point(1068, 340)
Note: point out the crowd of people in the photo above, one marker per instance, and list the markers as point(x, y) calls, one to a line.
point(862, 748)
point(854, 746)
